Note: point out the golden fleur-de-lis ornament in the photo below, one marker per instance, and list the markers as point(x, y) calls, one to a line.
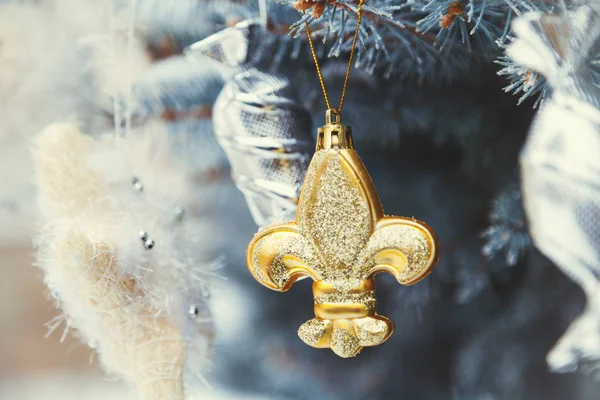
point(341, 239)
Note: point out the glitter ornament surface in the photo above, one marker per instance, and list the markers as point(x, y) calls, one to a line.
point(341, 239)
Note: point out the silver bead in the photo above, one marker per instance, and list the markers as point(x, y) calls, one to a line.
point(193, 310)
point(149, 244)
point(137, 185)
point(179, 213)
point(143, 235)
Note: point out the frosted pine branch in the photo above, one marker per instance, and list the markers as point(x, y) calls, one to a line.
point(507, 233)
point(413, 37)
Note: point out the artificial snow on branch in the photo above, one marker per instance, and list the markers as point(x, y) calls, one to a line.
point(508, 230)
point(420, 38)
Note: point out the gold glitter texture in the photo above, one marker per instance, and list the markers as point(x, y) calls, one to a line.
point(316, 332)
point(344, 342)
point(334, 206)
point(340, 297)
point(341, 240)
point(372, 330)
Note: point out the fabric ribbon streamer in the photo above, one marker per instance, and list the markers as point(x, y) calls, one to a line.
point(260, 123)
point(561, 163)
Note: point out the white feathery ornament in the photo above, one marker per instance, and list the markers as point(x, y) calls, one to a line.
point(38, 59)
point(560, 164)
point(129, 301)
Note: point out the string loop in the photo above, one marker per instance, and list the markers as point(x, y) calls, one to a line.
point(338, 110)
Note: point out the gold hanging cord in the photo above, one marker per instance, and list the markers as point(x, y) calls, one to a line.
point(338, 110)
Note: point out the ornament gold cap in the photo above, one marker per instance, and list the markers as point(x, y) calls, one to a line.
point(334, 134)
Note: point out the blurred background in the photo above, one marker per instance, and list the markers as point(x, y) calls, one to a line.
point(152, 145)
